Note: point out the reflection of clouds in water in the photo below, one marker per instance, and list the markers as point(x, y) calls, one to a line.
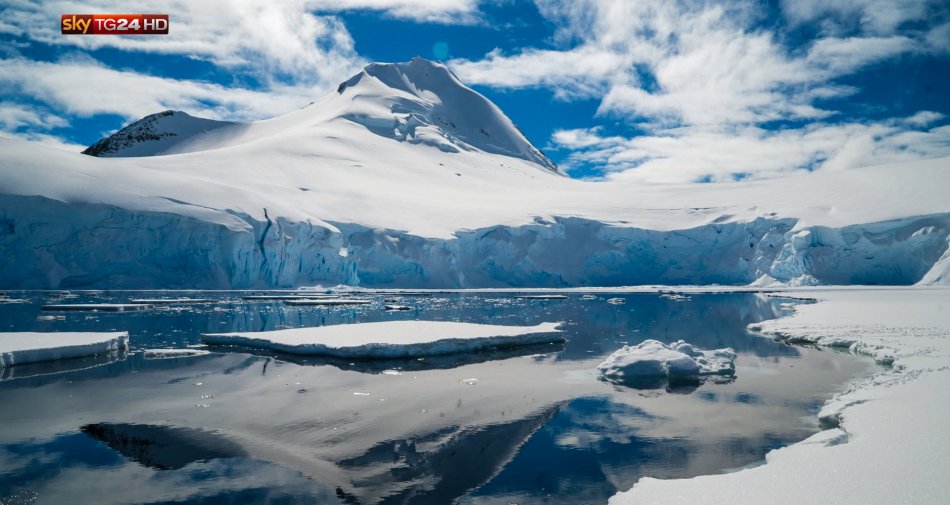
point(59, 477)
point(595, 420)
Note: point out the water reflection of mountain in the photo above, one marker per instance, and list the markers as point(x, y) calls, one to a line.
point(163, 447)
point(438, 467)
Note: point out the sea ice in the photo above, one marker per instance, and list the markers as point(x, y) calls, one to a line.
point(542, 297)
point(616, 301)
point(327, 301)
point(398, 307)
point(29, 347)
point(107, 307)
point(173, 353)
point(652, 359)
point(167, 301)
point(391, 339)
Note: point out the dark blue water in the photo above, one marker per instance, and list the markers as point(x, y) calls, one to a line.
point(530, 425)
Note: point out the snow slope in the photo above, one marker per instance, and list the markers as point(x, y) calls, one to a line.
point(886, 441)
point(406, 178)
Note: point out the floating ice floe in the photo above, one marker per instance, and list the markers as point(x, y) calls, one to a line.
point(6, 299)
point(391, 339)
point(588, 297)
point(106, 307)
point(679, 360)
point(286, 297)
point(173, 353)
point(616, 301)
point(168, 301)
point(676, 297)
point(328, 301)
point(398, 307)
point(542, 297)
point(30, 347)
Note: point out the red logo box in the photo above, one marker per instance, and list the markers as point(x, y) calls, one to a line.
point(114, 24)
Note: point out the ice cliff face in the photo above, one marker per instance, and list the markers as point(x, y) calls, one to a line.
point(49, 244)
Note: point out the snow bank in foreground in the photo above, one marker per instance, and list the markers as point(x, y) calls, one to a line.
point(652, 358)
point(391, 339)
point(889, 445)
point(29, 347)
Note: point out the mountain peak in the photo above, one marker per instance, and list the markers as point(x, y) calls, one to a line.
point(164, 132)
point(429, 104)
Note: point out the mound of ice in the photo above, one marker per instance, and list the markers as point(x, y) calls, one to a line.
point(652, 359)
point(30, 347)
point(391, 339)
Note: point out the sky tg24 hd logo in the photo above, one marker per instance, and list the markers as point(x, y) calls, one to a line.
point(114, 24)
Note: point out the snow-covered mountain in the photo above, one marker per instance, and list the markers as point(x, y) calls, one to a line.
point(418, 102)
point(405, 177)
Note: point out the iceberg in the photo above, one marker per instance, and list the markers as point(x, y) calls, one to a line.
point(31, 347)
point(652, 359)
point(391, 339)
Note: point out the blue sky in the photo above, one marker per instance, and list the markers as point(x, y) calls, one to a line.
point(666, 91)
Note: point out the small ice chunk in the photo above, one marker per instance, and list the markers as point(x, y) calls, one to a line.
point(542, 297)
point(108, 307)
point(652, 359)
point(616, 301)
point(398, 307)
point(173, 353)
point(29, 347)
point(391, 339)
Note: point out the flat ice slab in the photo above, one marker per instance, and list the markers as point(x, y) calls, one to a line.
point(542, 297)
point(110, 307)
point(328, 301)
point(652, 359)
point(391, 339)
point(168, 301)
point(29, 347)
point(287, 297)
point(173, 353)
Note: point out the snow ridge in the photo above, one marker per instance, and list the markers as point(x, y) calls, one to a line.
point(165, 132)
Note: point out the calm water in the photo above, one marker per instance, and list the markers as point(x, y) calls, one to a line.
point(527, 426)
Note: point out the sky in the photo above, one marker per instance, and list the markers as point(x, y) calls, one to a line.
point(650, 90)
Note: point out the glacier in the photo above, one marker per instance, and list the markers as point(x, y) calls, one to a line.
point(405, 178)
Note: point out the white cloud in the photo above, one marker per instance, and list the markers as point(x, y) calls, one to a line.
point(265, 38)
point(871, 16)
point(14, 116)
point(432, 11)
point(78, 87)
point(703, 80)
point(692, 154)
